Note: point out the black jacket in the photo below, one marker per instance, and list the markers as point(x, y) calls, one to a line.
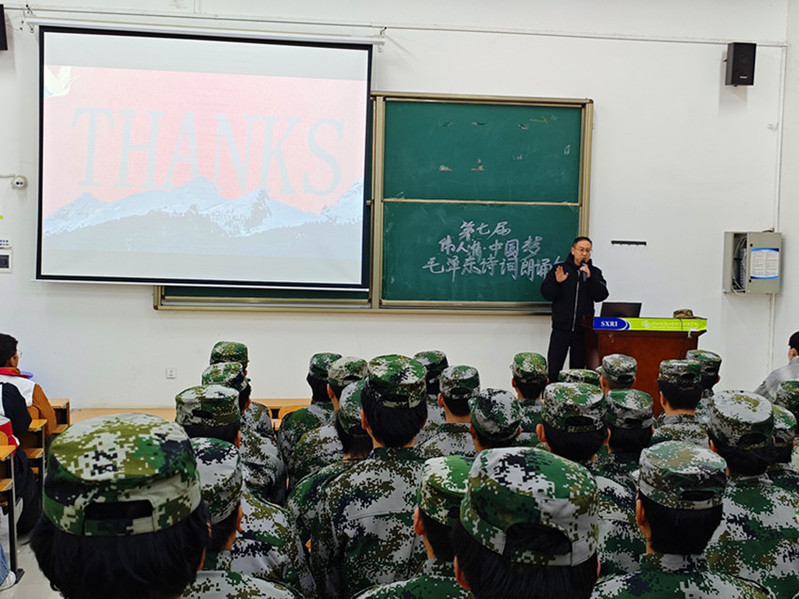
point(573, 293)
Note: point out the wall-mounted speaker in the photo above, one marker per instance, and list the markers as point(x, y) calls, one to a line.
point(740, 64)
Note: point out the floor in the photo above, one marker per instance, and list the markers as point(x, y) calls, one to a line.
point(33, 584)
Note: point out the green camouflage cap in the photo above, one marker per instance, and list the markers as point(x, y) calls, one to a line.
point(495, 414)
point(629, 409)
point(788, 396)
point(349, 405)
point(709, 361)
point(522, 485)
point(579, 375)
point(120, 458)
point(529, 367)
point(680, 372)
point(230, 351)
point(443, 487)
point(396, 381)
point(320, 363)
point(784, 426)
point(682, 476)
point(220, 476)
point(459, 382)
point(209, 405)
point(228, 374)
point(563, 401)
point(346, 370)
point(741, 419)
point(434, 362)
point(618, 368)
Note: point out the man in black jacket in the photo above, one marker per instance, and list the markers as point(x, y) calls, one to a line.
point(572, 286)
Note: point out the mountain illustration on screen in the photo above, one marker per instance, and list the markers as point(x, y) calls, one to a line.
point(199, 201)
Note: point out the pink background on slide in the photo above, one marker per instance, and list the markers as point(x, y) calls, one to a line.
point(205, 94)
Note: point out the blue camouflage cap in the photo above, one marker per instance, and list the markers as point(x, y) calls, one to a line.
point(230, 351)
point(459, 382)
point(495, 414)
point(529, 367)
point(396, 381)
point(522, 485)
point(563, 402)
point(579, 375)
point(120, 459)
point(320, 363)
point(220, 476)
point(741, 419)
point(443, 487)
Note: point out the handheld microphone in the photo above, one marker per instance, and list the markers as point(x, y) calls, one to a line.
point(582, 272)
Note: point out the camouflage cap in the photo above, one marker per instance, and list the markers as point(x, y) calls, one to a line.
point(682, 476)
point(680, 372)
point(434, 362)
point(741, 419)
point(228, 374)
point(788, 396)
point(230, 351)
point(579, 375)
point(529, 367)
point(563, 401)
point(618, 368)
point(396, 381)
point(459, 382)
point(495, 414)
point(209, 405)
point(522, 485)
point(346, 370)
point(320, 363)
point(443, 487)
point(349, 405)
point(120, 458)
point(784, 426)
point(629, 409)
point(220, 476)
point(709, 361)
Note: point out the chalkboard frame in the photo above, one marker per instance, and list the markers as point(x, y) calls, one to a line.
point(235, 299)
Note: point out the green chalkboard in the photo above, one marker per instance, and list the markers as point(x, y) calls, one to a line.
point(471, 252)
point(463, 151)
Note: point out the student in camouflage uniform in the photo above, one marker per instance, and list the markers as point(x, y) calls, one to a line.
point(457, 385)
point(787, 396)
point(579, 375)
point(321, 446)
point(758, 539)
point(267, 546)
point(710, 363)
point(617, 372)
point(528, 527)
point(629, 420)
point(680, 387)
point(303, 502)
point(529, 377)
point(678, 508)
point(123, 514)
point(221, 480)
point(573, 427)
point(434, 362)
point(440, 494)
point(781, 472)
point(365, 533)
point(321, 411)
point(495, 419)
point(264, 472)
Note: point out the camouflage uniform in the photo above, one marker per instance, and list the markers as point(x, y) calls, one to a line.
point(529, 367)
point(619, 369)
point(579, 375)
point(681, 427)
point(207, 405)
point(626, 409)
point(782, 474)
point(434, 362)
point(365, 533)
point(787, 396)
point(440, 494)
point(226, 584)
point(296, 424)
point(315, 450)
point(710, 363)
point(758, 538)
point(454, 438)
point(495, 415)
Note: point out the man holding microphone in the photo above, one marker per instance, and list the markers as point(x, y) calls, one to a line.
point(572, 286)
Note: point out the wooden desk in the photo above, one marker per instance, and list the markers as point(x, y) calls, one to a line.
point(275, 404)
point(32, 443)
point(8, 498)
point(61, 408)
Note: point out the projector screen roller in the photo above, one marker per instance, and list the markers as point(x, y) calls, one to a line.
point(202, 160)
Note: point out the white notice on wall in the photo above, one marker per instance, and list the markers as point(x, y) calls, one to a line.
point(765, 263)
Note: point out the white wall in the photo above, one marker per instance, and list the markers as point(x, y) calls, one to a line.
point(678, 158)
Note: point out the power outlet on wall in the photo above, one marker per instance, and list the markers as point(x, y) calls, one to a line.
point(171, 373)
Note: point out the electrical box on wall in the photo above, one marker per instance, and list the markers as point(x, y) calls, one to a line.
point(752, 262)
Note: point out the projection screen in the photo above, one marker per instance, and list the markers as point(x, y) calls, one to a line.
point(178, 159)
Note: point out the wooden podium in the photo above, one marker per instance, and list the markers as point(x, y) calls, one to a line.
point(648, 346)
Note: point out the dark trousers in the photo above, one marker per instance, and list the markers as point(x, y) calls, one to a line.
point(561, 343)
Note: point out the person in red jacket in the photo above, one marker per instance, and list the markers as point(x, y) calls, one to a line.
point(32, 392)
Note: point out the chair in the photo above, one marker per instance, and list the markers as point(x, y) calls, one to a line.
point(8, 498)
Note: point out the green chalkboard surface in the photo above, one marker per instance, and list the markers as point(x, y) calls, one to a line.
point(463, 151)
point(472, 252)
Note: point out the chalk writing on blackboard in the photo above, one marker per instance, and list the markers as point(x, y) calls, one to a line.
point(489, 250)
